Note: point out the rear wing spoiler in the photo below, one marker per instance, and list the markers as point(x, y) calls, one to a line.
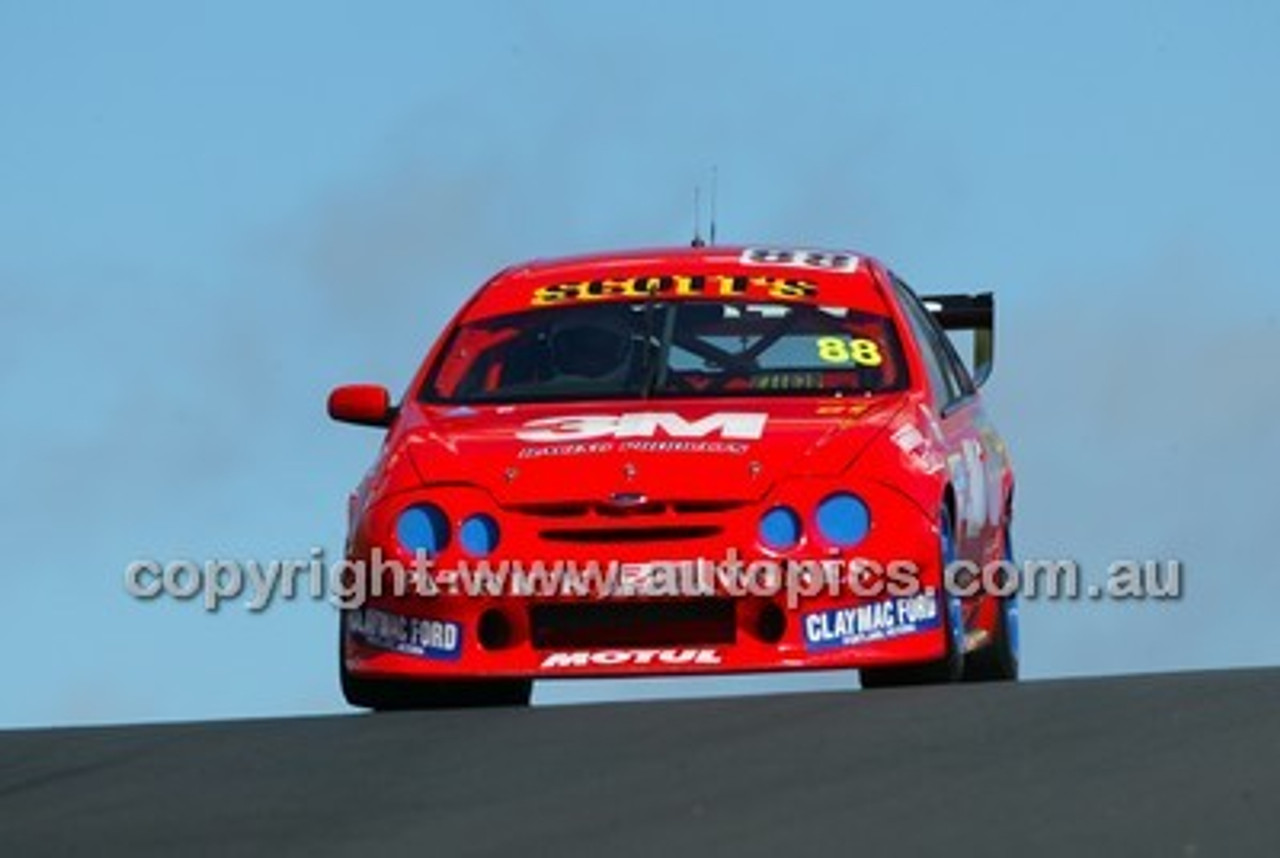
point(975, 313)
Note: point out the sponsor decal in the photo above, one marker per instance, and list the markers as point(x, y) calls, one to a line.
point(426, 638)
point(728, 448)
point(565, 450)
point(821, 260)
point(976, 502)
point(748, 426)
point(969, 476)
point(840, 409)
point(630, 657)
point(787, 381)
point(874, 621)
point(677, 286)
point(911, 441)
point(996, 458)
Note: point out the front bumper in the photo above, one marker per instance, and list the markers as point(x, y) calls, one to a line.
point(467, 657)
point(723, 630)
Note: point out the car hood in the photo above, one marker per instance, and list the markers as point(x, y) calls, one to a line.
point(679, 450)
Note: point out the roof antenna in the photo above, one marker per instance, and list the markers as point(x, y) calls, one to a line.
point(711, 236)
point(697, 218)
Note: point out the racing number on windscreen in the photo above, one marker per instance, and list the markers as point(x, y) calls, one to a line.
point(858, 350)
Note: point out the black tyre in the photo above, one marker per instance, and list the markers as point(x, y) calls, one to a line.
point(387, 695)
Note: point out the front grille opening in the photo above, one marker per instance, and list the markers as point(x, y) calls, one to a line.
point(553, 510)
point(605, 510)
point(659, 533)
point(704, 506)
point(633, 624)
point(616, 509)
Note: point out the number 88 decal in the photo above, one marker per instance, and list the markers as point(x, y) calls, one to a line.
point(820, 259)
point(858, 350)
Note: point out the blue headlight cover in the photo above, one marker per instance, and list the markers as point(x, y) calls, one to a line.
point(423, 527)
point(843, 519)
point(780, 528)
point(479, 535)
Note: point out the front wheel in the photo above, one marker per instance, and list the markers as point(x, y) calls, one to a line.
point(951, 666)
point(386, 695)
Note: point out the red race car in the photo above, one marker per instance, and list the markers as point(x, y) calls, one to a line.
point(682, 461)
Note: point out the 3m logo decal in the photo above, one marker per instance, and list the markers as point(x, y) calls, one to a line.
point(732, 425)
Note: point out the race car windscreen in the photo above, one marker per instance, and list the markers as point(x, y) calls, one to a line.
point(674, 349)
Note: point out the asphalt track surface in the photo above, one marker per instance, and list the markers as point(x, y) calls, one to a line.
point(1179, 764)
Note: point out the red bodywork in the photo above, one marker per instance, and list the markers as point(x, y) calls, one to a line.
point(908, 454)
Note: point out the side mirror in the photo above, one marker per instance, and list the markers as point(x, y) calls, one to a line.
point(362, 404)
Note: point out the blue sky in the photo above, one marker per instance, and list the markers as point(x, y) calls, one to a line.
point(213, 212)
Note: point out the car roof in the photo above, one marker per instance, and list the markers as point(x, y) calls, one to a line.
point(837, 277)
